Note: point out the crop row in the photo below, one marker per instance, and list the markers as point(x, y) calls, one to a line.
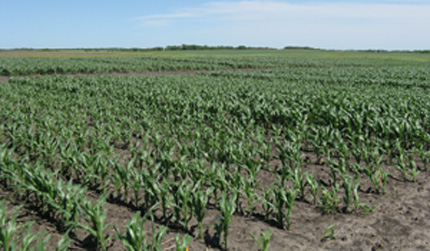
point(32, 66)
point(17, 66)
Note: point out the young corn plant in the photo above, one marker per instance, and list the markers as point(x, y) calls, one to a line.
point(43, 185)
point(291, 197)
point(290, 154)
point(329, 201)
point(70, 200)
point(356, 196)
point(377, 177)
point(348, 188)
point(413, 169)
point(383, 175)
point(182, 245)
point(357, 169)
point(134, 237)
point(115, 180)
point(266, 239)
point(267, 202)
point(283, 175)
point(401, 166)
point(182, 207)
point(122, 177)
point(250, 194)
point(300, 181)
point(357, 203)
point(95, 216)
point(228, 206)
point(63, 243)
point(165, 198)
point(8, 227)
point(330, 233)
point(11, 233)
point(28, 238)
point(313, 183)
point(238, 183)
point(284, 200)
point(333, 164)
point(199, 201)
point(136, 185)
point(425, 157)
point(151, 187)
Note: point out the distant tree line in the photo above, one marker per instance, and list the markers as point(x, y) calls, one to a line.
point(207, 47)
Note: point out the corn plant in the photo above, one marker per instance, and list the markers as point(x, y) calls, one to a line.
point(330, 233)
point(266, 239)
point(8, 227)
point(267, 202)
point(43, 185)
point(70, 199)
point(313, 183)
point(425, 157)
point(348, 188)
point(290, 154)
point(28, 238)
point(134, 237)
point(183, 203)
point(121, 179)
point(151, 187)
point(413, 169)
point(329, 201)
point(356, 196)
point(199, 200)
point(228, 206)
point(182, 245)
point(357, 203)
point(165, 198)
point(284, 201)
point(401, 166)
point(238, 183)
point(300, 181)
point(95, 217)
point(136, 180)
point(250, 194)
point(63, 243)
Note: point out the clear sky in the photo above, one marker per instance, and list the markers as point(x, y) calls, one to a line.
point(341, 24)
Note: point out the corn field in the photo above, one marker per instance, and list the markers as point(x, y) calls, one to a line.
point(185, 157)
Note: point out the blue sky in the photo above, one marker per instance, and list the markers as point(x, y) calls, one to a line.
point(342, 24)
